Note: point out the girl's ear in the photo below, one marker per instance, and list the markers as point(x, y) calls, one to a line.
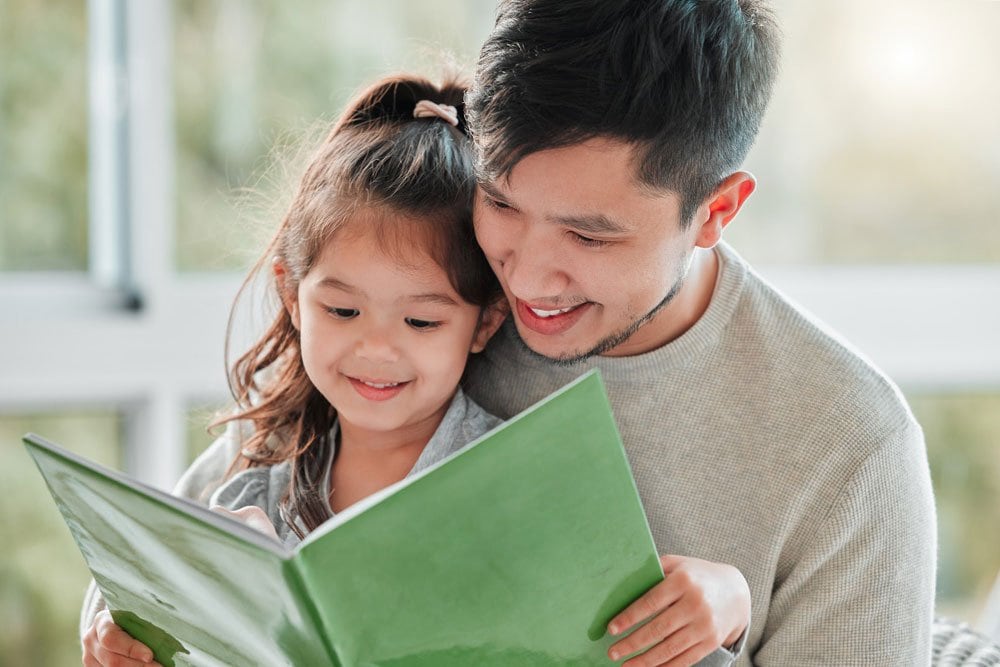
point(491, 319)
point(289, 296)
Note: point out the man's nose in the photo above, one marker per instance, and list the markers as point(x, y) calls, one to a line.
point(534, 269)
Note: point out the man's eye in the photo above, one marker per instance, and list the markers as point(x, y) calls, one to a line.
point(343, 313)
point(588, 242)
point(422, 325)
point(496, 204)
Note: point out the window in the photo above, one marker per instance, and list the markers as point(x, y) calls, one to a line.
point(254, 81)
point(880, 144)
point(963, 431)
point(146, 150)
point(43, 137)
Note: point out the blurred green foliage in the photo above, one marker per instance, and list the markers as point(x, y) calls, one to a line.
point(43, 136)
point(199, 436)
point(42, 575)
point(963, 446)
point(258, 83)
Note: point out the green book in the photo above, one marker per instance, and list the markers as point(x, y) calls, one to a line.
point(517, 550)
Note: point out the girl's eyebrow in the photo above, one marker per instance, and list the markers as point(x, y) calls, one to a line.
point(432, 297)
point(427, 297)
point(334, 283)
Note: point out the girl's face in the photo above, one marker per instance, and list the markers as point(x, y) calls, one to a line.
point(384, 339)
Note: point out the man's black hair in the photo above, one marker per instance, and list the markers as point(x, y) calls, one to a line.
point(685, 81)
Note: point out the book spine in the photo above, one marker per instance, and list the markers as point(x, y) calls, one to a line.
point(303, 595)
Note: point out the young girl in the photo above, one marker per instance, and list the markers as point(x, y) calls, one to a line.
point(384, 294)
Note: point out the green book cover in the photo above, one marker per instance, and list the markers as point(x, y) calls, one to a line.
point(517, 550)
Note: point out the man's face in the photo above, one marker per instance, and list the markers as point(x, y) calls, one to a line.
point(587, 257)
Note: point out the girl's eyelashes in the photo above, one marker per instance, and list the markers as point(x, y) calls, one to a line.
point(413, 322)
point(422, 325)
point(343, 313)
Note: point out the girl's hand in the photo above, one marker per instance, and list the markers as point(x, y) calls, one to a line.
point(107, 645)
point(698, 607)
point(252, 516)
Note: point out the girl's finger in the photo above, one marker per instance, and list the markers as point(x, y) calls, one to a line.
point(112, 639)
point(109, 658)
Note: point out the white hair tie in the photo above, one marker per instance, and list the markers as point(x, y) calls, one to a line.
point(428, 109)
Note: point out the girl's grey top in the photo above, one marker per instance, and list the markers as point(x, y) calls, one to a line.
point(265, 486)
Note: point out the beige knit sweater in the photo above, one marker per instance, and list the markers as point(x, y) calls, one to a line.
point(760, 440)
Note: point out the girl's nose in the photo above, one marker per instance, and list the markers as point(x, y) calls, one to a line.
point(376, 345)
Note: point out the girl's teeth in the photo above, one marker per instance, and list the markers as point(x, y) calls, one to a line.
point(380, 386)
point(550, 313)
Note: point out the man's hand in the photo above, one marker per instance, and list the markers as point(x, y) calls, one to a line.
point(698, 607)
point(107, 645)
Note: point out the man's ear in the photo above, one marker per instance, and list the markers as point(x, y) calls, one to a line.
point(289, 295)
point(490, 320)
point(721, 207)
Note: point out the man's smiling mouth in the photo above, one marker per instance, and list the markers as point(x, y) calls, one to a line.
point(552, 313)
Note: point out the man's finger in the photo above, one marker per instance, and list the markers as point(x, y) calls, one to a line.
point(669, 563)
point(662, 626)
point(650, 603)
point(691, 656)
point(672, 648)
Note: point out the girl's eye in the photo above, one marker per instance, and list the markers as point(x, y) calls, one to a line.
point(343, 313)
point(422, 325)
point(587, 241)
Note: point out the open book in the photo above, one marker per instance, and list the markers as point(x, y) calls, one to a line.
point(517, 550)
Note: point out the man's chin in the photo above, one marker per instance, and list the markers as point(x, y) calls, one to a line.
point(545, 348)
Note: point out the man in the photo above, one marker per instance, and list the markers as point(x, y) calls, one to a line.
point(610, 134)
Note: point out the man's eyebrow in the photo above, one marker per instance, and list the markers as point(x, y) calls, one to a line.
point(591, 223)
point(586, 223)
point(493, 191)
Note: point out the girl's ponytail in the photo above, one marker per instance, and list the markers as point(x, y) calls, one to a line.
point(394, 99)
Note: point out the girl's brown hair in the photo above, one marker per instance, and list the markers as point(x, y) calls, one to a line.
point(411, 180)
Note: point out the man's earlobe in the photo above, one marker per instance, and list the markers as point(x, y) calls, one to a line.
point(491, 319)
point(287, 292)
point(723, 205)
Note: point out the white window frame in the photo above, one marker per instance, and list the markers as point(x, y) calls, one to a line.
point(132, 335)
